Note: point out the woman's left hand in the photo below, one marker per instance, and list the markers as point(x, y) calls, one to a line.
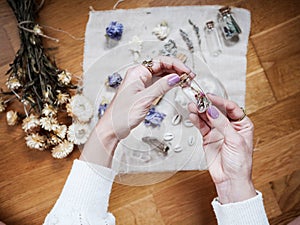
point(130, 105)
point(138, 90)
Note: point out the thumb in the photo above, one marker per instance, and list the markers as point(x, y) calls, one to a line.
point(161, 86)
point(219, 121)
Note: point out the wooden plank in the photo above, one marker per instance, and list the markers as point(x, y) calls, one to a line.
point(276, 121)
point(270, 202)
point(188, 202)
point(134, 213)
point(279, 58)
point(267, 14)
point(278, 158)
point(258, 92)
point(286, 190)
point(253, 64)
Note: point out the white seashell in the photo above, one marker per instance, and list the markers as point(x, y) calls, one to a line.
point(176, 119)
point(168, 136)
point(177, 148)
point(161, 31)
point(191, 140)
point(188, 123)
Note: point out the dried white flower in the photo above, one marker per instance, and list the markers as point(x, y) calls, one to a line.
point(62, 98)
point(54, 140)
point(78, 133)
point(49, 110)
point(2, 105)
point(64, 77)
point(30, 122)
point(49, 123)
point(35, 141)
point(62, 150)
point(13, 83)
point(61, 131)
point(161, 31)
point(135, 47)
point(12, 118)
point(80, 108)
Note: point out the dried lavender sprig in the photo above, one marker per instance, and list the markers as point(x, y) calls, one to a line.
point(196, 29)
point(189, 44)
point(187, 40)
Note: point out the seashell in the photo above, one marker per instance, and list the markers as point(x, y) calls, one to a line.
point(177, 148)
point(188, 123)
point(176, 119)
point(191, 140)
point(161, 31)
point(168, 136)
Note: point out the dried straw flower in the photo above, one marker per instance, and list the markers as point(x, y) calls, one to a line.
point(49, 123)
point(53, 140)
point(80, 108)
point(30, 123)
point(62, 98)
point(61, 131)
point(49, 110)
point(78, 133)
point(62, 150)
point(13, 83)
point(35, 141)
point(64, 77)
point(12, 118)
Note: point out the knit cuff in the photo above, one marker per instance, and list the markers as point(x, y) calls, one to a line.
point(87, 188)
point(246, 212)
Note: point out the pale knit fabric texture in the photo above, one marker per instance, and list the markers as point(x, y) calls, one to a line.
point(85, 196)
point(247, 212)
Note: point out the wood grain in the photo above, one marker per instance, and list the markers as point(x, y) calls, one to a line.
point(31, 181)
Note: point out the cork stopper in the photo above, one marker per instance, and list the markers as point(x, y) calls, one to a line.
point(210, 25)
point(184, 80)
point(224, 10)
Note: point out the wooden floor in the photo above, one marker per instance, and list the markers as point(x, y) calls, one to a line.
point(31, 181)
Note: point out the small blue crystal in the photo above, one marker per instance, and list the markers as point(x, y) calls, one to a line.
point(114, 80)
point(154, 118)
point(114, 30)
point(102, 108)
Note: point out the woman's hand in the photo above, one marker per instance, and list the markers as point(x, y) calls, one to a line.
point(228, 148)
point(130, 105)
point(138, 90)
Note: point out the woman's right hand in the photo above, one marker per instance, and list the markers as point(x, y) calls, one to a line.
point(228, 146)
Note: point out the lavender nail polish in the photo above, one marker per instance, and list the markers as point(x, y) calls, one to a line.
point(173, 80)
point(213, 112)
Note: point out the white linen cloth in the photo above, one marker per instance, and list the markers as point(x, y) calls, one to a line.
point(229, 67)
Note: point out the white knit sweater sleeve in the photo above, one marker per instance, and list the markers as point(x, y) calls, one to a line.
point(84, 198)
point(248, 212)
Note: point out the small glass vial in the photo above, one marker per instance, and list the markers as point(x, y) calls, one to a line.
point(212, 39)
point(228, 24)
point(194, 92)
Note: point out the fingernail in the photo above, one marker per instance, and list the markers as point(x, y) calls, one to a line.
point(173, 80)
point(213, 112)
